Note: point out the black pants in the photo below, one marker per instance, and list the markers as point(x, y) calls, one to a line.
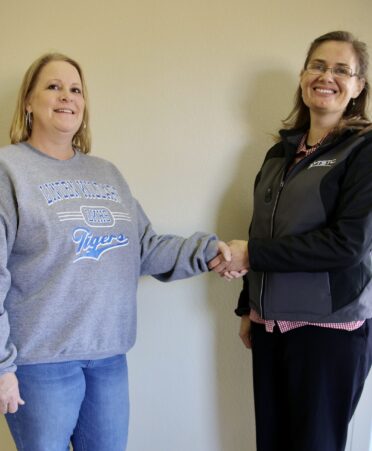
point(307, 383)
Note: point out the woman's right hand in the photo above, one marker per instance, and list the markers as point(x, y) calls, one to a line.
point(245, 331)
point(237, 265)
point(10, 398)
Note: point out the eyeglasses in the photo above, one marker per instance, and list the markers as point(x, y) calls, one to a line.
point(337, 71)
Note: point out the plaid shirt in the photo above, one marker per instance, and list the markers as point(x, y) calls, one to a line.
point(285, 326)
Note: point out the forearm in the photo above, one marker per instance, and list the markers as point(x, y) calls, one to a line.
point(169, 257)
point(320, 250)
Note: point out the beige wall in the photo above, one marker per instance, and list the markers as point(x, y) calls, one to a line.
point(184, 95)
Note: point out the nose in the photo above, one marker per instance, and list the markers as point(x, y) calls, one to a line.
point(64, 95)
point(328, 69)
point(327, 74)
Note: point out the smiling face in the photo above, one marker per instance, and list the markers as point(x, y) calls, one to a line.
point(327, 95)
point(56, 101)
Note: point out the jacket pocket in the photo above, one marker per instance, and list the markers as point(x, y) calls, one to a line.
point(299, 295)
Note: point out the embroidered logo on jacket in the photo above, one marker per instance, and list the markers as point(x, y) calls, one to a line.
point(322, 163)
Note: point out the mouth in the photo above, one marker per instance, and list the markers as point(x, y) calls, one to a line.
point(64, 110)
point(326, 91)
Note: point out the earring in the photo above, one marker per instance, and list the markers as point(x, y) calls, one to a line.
point(29, 121)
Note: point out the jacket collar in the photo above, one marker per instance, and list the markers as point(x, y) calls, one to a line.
point(291, 138)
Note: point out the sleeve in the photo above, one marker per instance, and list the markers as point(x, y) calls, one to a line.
point(8, 228)
point(243, 301)
point(342, 243)
point(171, 257)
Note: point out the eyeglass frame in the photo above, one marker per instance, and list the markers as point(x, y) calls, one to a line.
point(325, 68)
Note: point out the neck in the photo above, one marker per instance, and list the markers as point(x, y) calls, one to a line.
point(317, 134)
point(56, 147)
point(320, 126)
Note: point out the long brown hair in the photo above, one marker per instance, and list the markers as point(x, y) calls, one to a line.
point(19, 130)
point(355, 114)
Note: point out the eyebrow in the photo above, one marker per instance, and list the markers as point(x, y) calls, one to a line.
point(324, 62)
point(60, 81)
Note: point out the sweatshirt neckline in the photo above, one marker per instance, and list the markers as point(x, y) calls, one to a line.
point(43, 154)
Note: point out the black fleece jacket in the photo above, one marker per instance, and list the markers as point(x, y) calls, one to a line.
point(311, 232)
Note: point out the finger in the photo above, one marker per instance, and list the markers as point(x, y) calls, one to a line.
point(221, 268)
point(237, 274)
point(246, 341)
point(12, 407)
point(225, 250)
point(215, 261)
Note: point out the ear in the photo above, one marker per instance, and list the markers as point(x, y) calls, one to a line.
point(302, 74)
point(28, 107)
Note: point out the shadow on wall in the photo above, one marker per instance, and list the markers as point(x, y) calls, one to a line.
point(268, 102)
point(8, 102)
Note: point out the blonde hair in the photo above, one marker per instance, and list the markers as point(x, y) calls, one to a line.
point(20, 131)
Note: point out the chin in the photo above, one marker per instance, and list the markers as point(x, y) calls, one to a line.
point(68, 130)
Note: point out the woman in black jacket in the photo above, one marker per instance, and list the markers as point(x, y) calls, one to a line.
point(306, 303)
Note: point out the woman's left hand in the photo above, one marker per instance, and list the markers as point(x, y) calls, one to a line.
point(245, 331)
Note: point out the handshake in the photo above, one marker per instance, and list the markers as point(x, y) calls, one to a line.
point(232, 260)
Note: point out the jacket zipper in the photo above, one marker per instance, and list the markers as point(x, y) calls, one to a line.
point(275, 206)
point(263, 280)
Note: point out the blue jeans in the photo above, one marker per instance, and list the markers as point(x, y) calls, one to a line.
point(83, 401)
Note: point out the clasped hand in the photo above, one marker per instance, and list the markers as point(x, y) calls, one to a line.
point(232, 261)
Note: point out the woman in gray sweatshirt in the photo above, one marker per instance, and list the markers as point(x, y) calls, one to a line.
point(73, 243)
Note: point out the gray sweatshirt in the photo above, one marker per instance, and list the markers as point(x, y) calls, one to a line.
point(73, 243)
